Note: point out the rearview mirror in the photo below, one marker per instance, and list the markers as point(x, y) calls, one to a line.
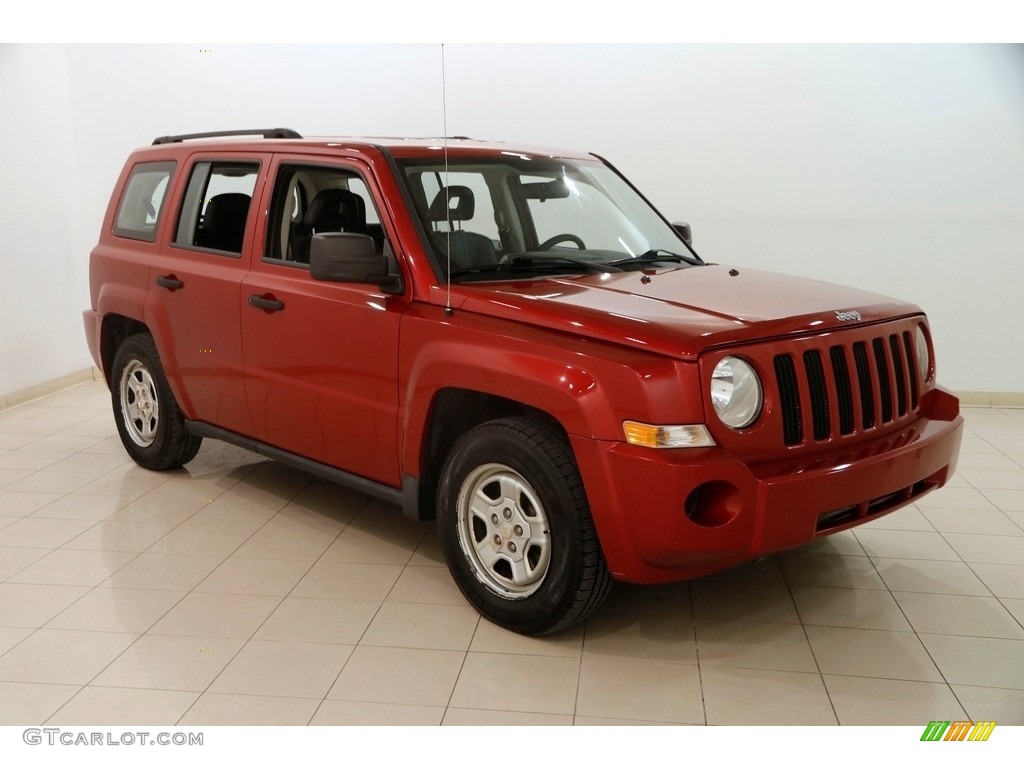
point(683, 230)
point(348, 257)
point(544, 190)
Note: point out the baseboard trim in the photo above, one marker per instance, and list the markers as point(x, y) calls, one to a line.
point(21, 396)
point(992, 399)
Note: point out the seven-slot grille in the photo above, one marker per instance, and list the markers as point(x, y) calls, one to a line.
point(833, 390)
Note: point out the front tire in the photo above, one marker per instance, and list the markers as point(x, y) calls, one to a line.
point(149, 421)
point(516, 530)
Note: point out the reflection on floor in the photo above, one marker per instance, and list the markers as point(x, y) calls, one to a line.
point(237, 591)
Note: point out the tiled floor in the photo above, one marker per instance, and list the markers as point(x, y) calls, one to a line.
point(237, 591)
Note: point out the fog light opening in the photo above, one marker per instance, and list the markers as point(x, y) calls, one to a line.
point(713, 504)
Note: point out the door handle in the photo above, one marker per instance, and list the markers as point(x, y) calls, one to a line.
point(267, 302)
point(170, 282)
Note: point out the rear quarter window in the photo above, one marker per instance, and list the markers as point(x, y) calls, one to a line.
point(143, 201)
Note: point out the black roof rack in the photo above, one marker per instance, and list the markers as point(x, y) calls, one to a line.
point(266, 133)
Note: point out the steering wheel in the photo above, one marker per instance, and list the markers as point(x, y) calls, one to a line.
point(553, 241)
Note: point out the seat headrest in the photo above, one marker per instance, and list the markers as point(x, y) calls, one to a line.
point(455, 202)
point(339, 207)
point(227, 207)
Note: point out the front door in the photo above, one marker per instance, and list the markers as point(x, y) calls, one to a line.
point(321, 358)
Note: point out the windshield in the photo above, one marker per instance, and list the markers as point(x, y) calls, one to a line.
point(525, 216)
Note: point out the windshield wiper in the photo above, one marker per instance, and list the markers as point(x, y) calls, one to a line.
point(544, 264)
point(652, 256)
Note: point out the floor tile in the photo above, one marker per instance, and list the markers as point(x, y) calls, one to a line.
point(602, 722)
point(857, 608)
point(15, 559)
point(662, 599)
point(49, 481)
point(1008, 501)
point(639, 690)
point(315, 620)
point(492, 717)
point(544, 684)
point(214, 615)
point(117, 610)
point(977, 548)
point(1003, 705)
point(32, 703)
point(978, 661)
point(11, 636)
point(366, 713)
point(378, 534)
point(170, 663)
point(246, 576)
point(426, 584)
point(416, 625)
point(743, 602)
point(399, 676)
point(871, 653)
point(150, 509)
point(765, 697)
point(750, 645)
point(120, 536)
point(1003, 580)
point(954, 498)
point(293, 534)
point(872, 701)
point(22, 503)
point(347, 581)
point(987, 521)
point(234, 709)
point(490, 638)
point(95, 705)
point(659, 638)
point(73, 567)
point(32, 605)
point(43, 657)
point(153, 570)
point(909, 545)
point(944, 577)
point(842, 543)
point(958, 615)
point(272, 668)
point(830, 571)
point(81, 507)
point(39, 532)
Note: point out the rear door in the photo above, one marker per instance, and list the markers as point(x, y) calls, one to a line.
point(193, 303)
point(322, 358)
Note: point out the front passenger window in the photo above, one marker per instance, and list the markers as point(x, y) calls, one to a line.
point(216, 206)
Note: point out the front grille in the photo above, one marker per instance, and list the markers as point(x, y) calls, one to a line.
point(822, 396)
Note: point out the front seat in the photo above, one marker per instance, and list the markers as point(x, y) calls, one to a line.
point(332, 210)
point(224, 222)
point(456, 204)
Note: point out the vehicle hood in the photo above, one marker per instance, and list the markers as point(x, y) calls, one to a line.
point(678, 311)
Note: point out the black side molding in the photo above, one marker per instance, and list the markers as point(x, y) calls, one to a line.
point(355, 482)
point(266, 133)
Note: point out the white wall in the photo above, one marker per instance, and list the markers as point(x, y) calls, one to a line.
point(895, 168)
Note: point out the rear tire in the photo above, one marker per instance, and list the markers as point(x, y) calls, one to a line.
point(515, 528)
point(149, 421)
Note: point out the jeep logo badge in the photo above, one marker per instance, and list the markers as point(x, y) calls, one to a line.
point(851, 314)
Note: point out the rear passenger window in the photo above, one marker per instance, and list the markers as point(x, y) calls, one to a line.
point(216, 206)
point(143, 201)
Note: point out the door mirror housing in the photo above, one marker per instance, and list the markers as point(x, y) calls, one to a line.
point(348, 257)
point(683, 229)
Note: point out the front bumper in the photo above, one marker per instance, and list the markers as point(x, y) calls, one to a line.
point(668, 515)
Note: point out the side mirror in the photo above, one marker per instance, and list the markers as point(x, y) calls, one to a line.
point(683, 229)
point(347, 257)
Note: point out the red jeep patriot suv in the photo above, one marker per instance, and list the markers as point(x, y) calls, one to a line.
point(511, 340)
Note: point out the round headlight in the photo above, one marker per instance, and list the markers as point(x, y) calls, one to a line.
point(924, 361)
point(735, 393)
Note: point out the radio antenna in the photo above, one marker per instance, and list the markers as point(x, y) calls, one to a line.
point(447, 194)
